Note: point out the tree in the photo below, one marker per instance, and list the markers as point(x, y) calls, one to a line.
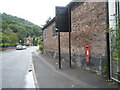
point(4, 38)
point(48, 20)
point(11, 35)
point(40, 43)
point(17, 29)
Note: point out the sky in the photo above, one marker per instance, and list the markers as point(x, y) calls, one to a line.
point(35, 11)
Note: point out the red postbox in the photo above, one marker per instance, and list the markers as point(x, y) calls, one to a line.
point(87, 53)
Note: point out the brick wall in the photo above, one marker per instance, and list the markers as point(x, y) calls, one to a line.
point(88, 27)
point(50, 41)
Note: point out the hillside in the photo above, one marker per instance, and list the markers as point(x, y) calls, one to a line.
point(17, 30)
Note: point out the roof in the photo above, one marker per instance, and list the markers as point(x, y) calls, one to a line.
point(71, 5)
point(49, 23)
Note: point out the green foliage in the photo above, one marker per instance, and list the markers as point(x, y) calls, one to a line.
point(15, 29)
point(47, 21)
point(115, 41)
point(35, 41)
point(4, 38)
point(11, 35)
point(40, 43)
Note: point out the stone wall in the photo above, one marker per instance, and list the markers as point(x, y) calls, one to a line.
point(50, 42)
point(88, 22)
point(89, 27)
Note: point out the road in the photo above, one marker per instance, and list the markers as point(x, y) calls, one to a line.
point(15, 67)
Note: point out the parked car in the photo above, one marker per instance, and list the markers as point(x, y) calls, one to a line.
point(24, 47)
point(19, 47)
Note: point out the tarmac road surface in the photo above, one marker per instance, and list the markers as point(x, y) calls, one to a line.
point(15, 66)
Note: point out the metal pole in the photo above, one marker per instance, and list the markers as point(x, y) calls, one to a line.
point(59, 49)
point(69, 20)
point(70, 48)
point(108, 43)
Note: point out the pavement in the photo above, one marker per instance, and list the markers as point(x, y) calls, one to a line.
point(48, 75)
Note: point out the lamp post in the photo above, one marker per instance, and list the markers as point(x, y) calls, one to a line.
point(59, 47)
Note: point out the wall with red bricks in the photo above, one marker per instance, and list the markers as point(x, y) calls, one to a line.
point(88, 23)
point(50, 42)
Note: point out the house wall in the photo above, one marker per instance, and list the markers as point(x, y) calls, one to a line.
point(50, 41)
point(88, 23)
point(89, 27)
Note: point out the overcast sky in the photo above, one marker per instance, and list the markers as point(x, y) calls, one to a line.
point(35, 11)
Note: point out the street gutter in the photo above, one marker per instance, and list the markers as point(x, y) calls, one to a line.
point(34, 76)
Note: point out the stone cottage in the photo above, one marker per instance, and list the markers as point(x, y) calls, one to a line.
point(89, 24)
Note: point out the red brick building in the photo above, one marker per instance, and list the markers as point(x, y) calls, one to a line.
point(89, 23)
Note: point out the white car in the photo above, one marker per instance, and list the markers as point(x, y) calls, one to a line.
point(19, 47)
point(24, 47)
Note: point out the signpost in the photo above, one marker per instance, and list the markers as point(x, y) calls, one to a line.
point(63, 24)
